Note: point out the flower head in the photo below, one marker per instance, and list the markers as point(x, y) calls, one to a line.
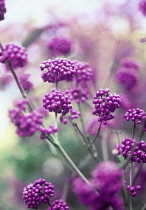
point(2, 9)
point(58, 205)
point(57, 70)
point(135, 114)
point(15, 54)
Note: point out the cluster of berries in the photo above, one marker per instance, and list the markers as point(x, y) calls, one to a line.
point(133, 190)
point(130, 147)
point(73, 114)
point(78, 95)
point(136, 115)
point(40, 192)
point(105, 105)
point(2, 9)
point(26, 84)
point(57, 70)
point(57, 101)
point(15, 54)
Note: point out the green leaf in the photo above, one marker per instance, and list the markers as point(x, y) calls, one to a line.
point(32, 36)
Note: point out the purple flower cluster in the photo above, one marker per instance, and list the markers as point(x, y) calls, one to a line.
point(26, 84)
point(105, 105)
point(47, 131)
point(133, 190)
point(142, 7)
point(83, 72)
point(60, 45)
point(79, 95)
point(15, 54)
point(57, 101)
point(2, 9)
point(130, 147)
point(58, 205)
point(125, 101)
point(136, 115)
point(39, 192)
point(26, 124)
point(73, 114)
point(57, 70)
point(5, 80)
point(107, 180)
point(130, 63)
point(127, 78)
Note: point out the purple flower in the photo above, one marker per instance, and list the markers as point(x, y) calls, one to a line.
point(2, 9)
point(126, 146)
point(125, 102)
point(39, 192)
point(105, 105)
point(83, 72)
point(5, 80)
point(73, 114)
point(60, 45)
point(128, 79)
point(57, 101)
point(15, 54)
point(135, 114)
point(26, 84)
point(58, 205)
point(130, 63)
point(106, 183)
point(57, 70)
point(142, 7)
point(26, 124)
point(79, 95)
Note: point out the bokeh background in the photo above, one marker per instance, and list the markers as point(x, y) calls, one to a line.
point(103, 32)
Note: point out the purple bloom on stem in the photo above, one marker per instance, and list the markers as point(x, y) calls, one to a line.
point(60, 46)
point(83, 72)
point(57, 101)
point(57, 70)
point(136, 115)
point(105, 105)
point(126, 146)
point(15, 54)
point(39, 192)
point(79, 95)
point(127, 78)
point(2, 9)
point(47, 131)
point(142, 7)
point(58, 205)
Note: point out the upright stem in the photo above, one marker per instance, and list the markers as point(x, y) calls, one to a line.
point(134, 126)
point(81, 119)
point(130, 199)
point(98, 131)
point(70, 162)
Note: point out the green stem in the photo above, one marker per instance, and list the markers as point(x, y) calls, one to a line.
point(130, 198)
point(144, 207)
point(81, 119)
point(70, 162)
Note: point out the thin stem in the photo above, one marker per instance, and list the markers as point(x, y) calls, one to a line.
point(70, 162)
point(134, 126)
point(130, 199)
point(81, 119)
point(65, 191)
point(144, 207)
point(98, 131)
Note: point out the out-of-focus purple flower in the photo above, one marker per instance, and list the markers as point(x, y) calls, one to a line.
point(26, 84)
point(129, 62)
point(5, 80)
point(105, 185)
point(83, 71)
point(108, 177)
point(47, 131)
point(57, 101)
point(125, 149)
point(57, 70)
point(15, 54)
point(73, 114)
point(26, 124)
point(58, 205)
point(105, 105)
point(39, 192)
point(2, 9)
point(93, 126)
point(142, 7)
point(60, 46)
point(136, 115)
point(79, 95)
point(128, 79)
